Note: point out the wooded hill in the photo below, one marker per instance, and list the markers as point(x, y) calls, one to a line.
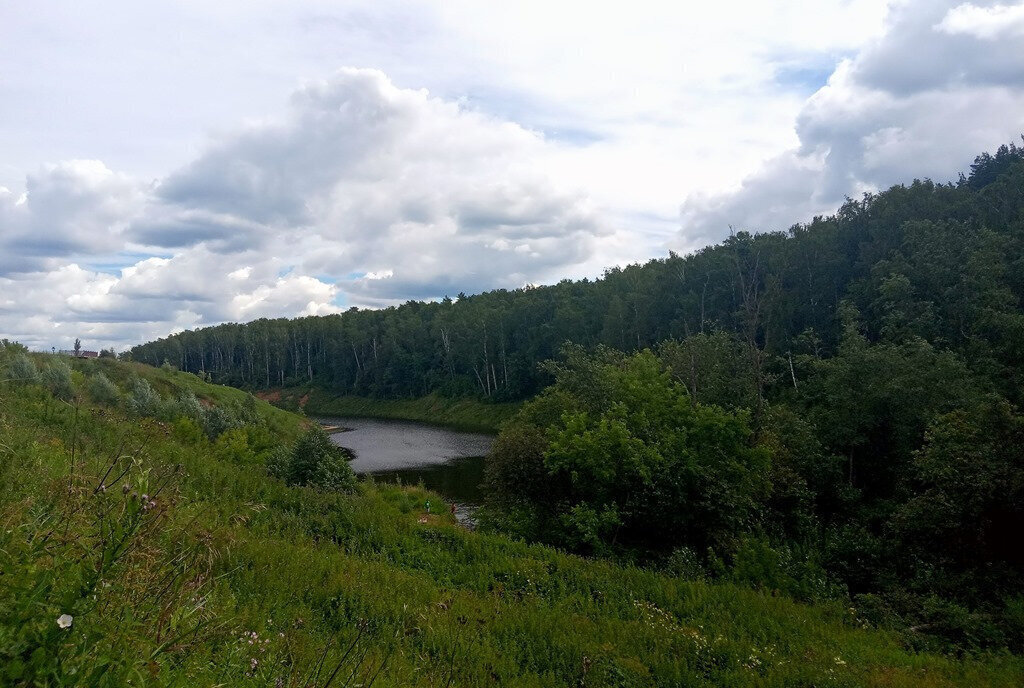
point(939, 262)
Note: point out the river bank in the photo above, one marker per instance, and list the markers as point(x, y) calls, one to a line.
point(470, 415)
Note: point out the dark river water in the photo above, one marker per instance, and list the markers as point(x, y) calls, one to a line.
point(445, 461)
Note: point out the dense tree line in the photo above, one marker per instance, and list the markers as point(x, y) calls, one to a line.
point(940, 262)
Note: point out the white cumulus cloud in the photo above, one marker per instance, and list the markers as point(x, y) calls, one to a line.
point(984, 22)
point(362, 193)
point(917, 102)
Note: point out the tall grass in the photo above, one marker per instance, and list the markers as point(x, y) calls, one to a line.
point(181, 563)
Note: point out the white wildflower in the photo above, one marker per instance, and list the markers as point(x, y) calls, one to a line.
point(64, 620)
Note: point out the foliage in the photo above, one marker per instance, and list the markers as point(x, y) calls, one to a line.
point(11, 348)
point(234, 578)
point(876, 476)
point(102, 390)
point(142, 399)
point(188, 406)
point(628, 458)
point(963, 525)
point(318, 462)
point(21, 369)
point(218, 420)
point(279, 461)
point(57, 378)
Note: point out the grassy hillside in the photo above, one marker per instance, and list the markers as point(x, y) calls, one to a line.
point(182, 563)
point(461, 414)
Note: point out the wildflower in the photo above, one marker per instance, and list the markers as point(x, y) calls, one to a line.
point(64, 620)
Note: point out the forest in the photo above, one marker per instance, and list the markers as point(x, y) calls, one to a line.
point(831, 411)
point(936, 262)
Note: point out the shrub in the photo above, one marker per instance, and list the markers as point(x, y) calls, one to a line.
point(233, 446)
point(185, 406)
point(57, 378)
point(10, 348)
point(142, 399)
point(279, 461)
point(318, 462)
point(1013, 620)
point(22, 369)
point(102, 390)
point(617, 455)
point(187, 431)
point(188, 406)
point(218, 420)
point(780, 566)
point(686, 564)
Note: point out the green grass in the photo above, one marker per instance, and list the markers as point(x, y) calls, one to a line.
point(229, 552)
point(169, 382)
point(460, 414)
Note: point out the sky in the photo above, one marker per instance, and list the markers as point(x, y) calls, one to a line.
point(167, 166)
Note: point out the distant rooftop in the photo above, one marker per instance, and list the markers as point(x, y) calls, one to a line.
point(80, 354)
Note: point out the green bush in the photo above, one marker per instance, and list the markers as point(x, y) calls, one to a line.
point(218, 420)
point(9, 348)
point(21, 369)
point(318, 462)
point(142, 399)
point(57, 378)
point(778, 566)
point(102, 390)
point(1013, 620)
point(187, 431)
point(616, 455)
point(185, 406)
point(279, 461)
point(686, 564)
point(188, 406)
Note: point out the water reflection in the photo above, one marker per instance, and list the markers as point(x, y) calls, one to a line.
point(445, 461)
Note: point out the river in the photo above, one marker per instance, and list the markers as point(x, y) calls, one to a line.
point(446, 461)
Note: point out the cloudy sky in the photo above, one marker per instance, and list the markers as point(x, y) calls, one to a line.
point(165, 166)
